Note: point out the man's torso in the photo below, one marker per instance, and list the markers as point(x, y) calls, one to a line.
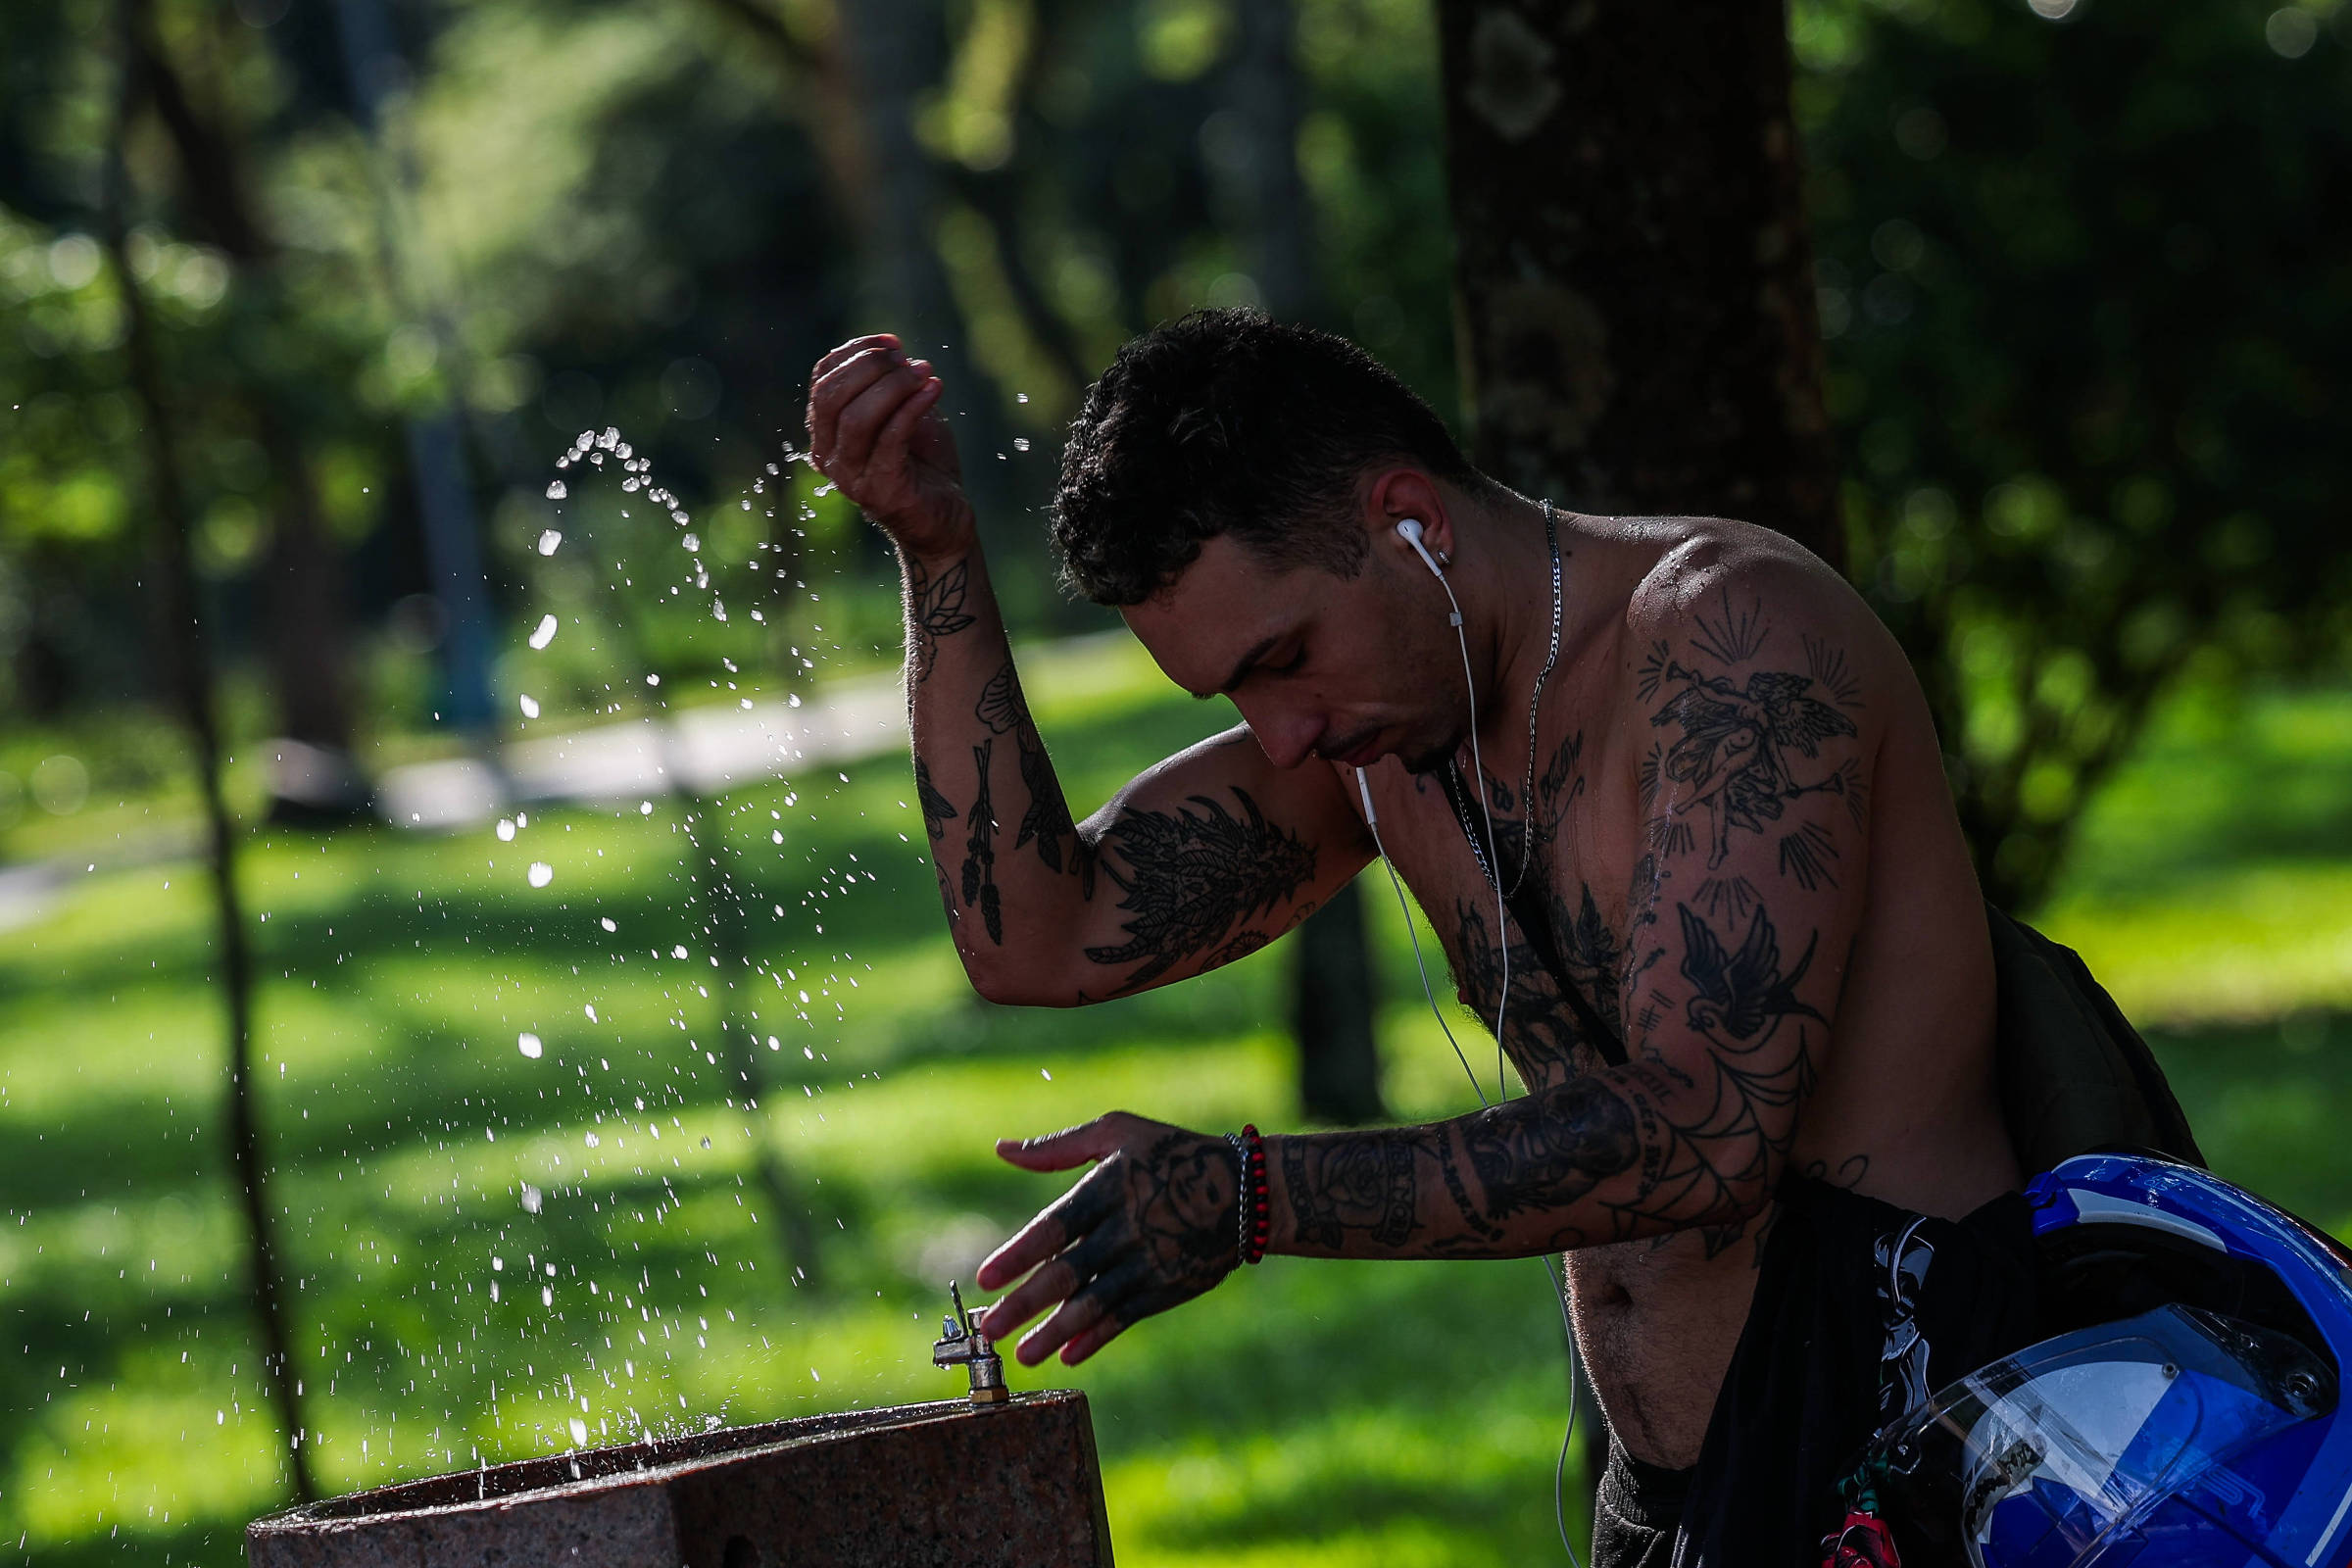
point(1903, 1106)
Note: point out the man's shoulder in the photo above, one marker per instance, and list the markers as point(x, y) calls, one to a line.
point(1727, 598)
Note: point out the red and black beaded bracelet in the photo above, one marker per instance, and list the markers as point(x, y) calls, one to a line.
point(1253, 1213)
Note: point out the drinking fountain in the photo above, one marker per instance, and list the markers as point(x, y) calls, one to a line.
point(990, 1480)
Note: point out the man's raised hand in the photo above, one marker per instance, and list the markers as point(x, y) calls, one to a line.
point(874, 429)
point(1152, 1225)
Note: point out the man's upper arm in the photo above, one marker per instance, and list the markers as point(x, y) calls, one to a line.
point(1753, 785)
point(1199, 861)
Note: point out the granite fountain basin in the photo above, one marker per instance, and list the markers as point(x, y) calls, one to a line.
point(1013, 1484)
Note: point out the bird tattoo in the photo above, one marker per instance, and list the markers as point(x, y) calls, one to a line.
point(1741, 994)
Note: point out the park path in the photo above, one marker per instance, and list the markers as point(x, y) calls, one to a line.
point(696, 749)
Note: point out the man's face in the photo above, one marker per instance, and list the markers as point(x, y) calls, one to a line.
point(1346, 668)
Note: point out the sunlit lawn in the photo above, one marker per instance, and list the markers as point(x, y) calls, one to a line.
point(1306, 1413)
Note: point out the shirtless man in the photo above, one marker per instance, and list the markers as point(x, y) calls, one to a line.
point(1750, 986)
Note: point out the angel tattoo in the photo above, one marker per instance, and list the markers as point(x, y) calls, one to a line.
point(1734, 746)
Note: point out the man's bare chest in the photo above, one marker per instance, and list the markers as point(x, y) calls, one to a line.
point(1550, 958)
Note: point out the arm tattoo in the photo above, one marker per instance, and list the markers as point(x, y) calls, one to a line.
point(980, 853)
point(1190, 879)
point(1371, 1183)
point(935, 610)
point(1552, 1146)
point(937, 809)
point(1046, 822)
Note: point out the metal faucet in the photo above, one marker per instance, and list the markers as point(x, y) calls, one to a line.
point(961, 1342)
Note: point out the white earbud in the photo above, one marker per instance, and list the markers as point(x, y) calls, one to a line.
point(1409, 530)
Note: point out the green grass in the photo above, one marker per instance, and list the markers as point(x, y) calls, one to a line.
point(1306, 1413)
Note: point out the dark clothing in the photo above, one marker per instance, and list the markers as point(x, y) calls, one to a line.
point(1863, 1309)
point(1636, 1510)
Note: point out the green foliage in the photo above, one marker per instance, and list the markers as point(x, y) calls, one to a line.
point(2084, 288)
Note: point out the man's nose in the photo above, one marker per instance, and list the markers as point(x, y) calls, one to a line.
point(1287, 739)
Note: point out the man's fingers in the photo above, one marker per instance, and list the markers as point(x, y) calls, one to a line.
point(890, 445)
point(1061, 1276)
point(1075, 1213)
point(1088, 1308)
point(860, 421)
point(1067, 1150)
point(855, 346)
point(1087, 1341)
point(835, 389)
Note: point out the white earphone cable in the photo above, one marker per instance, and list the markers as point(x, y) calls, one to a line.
point(1412, 533)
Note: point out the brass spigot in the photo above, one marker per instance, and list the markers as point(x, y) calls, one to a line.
point(961, 1341)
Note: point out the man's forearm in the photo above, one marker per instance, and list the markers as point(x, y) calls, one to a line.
point(1603, 1158)
point(1008, 856)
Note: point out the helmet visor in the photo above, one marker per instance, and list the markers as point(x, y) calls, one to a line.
point(2042, 1457)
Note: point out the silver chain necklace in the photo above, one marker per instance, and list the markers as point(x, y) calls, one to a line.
point(1535, 701)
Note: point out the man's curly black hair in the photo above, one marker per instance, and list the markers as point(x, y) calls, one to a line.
point(1226, 421)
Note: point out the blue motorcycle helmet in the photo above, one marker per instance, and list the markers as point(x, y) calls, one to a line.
point(2185, 1411)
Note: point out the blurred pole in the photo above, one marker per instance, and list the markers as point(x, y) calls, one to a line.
point(187, 655)
point(301, 576)
point(1634, 280)
point(1334, 990)
point(436, 440)
point(716, 869)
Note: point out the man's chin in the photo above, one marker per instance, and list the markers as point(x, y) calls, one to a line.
point(1426, 761)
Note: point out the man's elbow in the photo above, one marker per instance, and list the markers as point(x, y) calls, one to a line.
point(1002, 978)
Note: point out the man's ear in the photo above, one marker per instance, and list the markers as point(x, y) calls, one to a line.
point(1400, 492)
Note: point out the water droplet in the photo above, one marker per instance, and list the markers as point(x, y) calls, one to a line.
point(546, 634)
point(529, 1044)
point(549, 539)
point(533, 1199)
point(1021, 442)
point(652, 680)
point(541, 873)
point(547, 1298)
point(497, 1263)
point(611, 439)
point(590, 1010)
point(530, 705)
point(555, 492)
point(692, 542)
point(606, 923)
point(678, 951)
point(1021, 396)
point(505, 829)
point(1045, 1074)
point(645, 808)
point(580, 1428)
point(595, 1141)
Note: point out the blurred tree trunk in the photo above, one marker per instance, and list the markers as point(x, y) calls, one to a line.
point(1634, 280)
point(305, 602)
point(1333, 992)
point(185, 652)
